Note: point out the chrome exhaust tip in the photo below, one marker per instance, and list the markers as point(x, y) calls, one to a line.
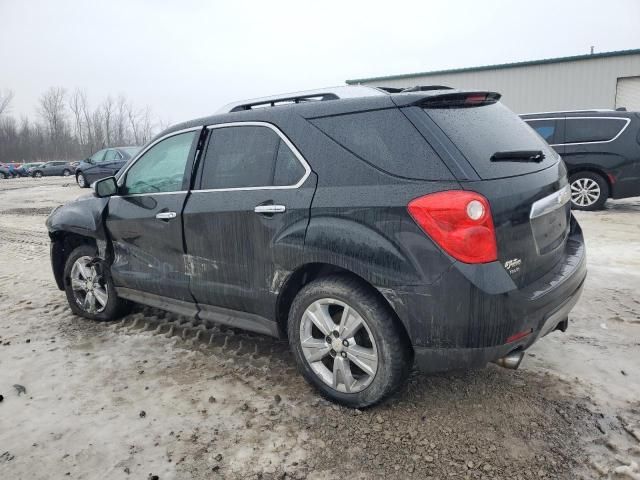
point(511, 360)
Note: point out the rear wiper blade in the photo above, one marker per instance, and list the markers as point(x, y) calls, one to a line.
point(518, 156)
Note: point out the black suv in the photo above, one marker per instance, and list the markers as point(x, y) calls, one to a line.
point(372, 229)
point(601, 149)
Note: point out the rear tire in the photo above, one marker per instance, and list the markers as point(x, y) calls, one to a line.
point(355, 359)
point(66, 173)
point(3, 175)
point(89, 287)
point(589, 191)
point(81, 180)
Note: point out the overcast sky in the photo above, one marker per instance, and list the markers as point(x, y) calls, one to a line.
point(185, 58)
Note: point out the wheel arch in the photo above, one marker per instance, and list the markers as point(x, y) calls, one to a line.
point(309, 272)
point(62, 244)
point(597, 171)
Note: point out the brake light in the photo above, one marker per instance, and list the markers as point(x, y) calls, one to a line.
point(459, 222)
point(475, 99)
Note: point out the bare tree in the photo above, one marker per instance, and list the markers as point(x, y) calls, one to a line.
point(5, 100)
point(107, 115)
point(120, 121)
point(52, 111)
point(76, 102)
point(68, 128)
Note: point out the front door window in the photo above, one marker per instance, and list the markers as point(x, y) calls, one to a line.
point(162, 167)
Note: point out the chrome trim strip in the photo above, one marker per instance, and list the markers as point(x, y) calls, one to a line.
point(550, 203)
point(596, 110)
point(283, 137)
point(627, 120)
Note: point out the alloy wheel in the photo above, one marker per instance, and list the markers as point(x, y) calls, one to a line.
point(88, 285)
point(338, 345)
point(80, 180)
point(585, 192)
point(66, 173)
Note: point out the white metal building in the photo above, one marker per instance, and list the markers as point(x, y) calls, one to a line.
point(599, 80)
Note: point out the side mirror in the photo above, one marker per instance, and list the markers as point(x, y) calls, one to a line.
point(105, 187)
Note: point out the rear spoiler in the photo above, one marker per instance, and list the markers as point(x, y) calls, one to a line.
point(456, 99)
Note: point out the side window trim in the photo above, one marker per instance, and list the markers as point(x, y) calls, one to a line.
point(122, 176)
point(566, 119)
point(283, 138)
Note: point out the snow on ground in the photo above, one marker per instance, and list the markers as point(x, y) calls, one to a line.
point(155, 395)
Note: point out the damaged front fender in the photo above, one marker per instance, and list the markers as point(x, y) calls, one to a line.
point(70, 225)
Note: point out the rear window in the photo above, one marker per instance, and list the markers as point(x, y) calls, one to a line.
point(481, 131)
point(585, 130)
point(386, 140)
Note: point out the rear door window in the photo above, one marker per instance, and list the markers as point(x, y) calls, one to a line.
point(587, 130)
point(481, 131)
point(247, 156)
point(386, 140)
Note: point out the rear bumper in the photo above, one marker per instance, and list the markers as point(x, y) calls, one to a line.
point(442, 359)
point(466, 318)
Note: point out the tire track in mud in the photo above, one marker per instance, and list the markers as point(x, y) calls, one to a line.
point(245, 349)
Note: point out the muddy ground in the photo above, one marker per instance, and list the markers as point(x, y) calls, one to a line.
point(152, 395)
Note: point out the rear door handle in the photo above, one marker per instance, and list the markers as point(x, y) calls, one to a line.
point(165, 215)
point(269, 209)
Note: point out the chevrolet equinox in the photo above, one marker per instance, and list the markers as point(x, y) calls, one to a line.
point(373, 228)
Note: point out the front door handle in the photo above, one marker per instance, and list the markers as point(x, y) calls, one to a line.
point(269, 209)
point(165, 215)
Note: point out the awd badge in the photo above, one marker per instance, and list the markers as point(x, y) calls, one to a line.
point(513, 266)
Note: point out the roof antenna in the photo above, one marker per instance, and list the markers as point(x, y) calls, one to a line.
point(591, 49)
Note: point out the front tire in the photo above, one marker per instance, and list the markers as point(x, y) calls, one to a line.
point(589, 191)
point(347, 342)
point(37, 174)
point(89, 287)
point(82, 180)
point(66, 173)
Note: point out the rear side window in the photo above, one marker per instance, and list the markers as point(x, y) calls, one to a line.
point(386, 140)
point(546, 129)
point(584, 130)
point(481, 131)
point(249, 156)
point(288, 169)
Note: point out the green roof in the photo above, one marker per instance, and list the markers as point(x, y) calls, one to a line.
point(592, 56)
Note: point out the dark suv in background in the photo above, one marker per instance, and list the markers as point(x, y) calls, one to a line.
point(601, 149)
point(372, 229)
point(104, 163)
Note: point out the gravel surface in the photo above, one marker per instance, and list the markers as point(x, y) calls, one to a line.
point(154, 395)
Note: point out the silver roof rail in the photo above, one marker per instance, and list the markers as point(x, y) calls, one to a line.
point(588, 110)
point(331, 93)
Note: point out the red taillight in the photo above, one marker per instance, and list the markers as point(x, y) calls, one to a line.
point(475, 99)
point(459, 222)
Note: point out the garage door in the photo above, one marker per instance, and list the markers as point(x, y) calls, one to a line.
point(628, 93)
